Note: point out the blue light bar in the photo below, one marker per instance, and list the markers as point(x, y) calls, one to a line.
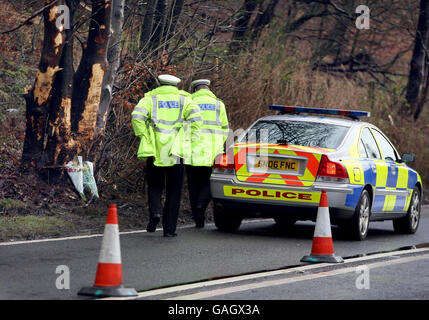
point(338, 112)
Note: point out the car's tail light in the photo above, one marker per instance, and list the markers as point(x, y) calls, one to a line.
point(331, 171)
point(224, 163)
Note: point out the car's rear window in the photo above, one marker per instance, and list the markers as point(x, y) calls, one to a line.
point(300, 133)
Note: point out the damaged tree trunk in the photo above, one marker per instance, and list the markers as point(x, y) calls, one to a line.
point(88, 79)
point(38, 99)
point(67, 110)
point(113, 60)
point(59, 137)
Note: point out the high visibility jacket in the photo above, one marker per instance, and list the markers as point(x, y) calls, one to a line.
point(213, 133)
point(157, 119)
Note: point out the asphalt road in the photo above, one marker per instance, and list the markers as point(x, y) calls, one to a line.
point(397, 275)
point(402, 281)
point(28, 270)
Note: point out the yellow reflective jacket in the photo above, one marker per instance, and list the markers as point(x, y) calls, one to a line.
point(213, 134)
point(157, 119)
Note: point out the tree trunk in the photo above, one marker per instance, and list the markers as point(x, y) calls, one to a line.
point(173, 17)
point(418, 78)
point(238, 41)
point(38, 99)
point(158, 26)
point(333, 45)
point(88, 79)
point(147, 26)
point(59, 126)
point(113, 59)
point(67, 110)
point(263, 19)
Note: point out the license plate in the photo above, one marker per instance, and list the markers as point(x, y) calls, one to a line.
point(277, 164)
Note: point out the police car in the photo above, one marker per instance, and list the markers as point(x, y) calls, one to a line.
point(281, 163)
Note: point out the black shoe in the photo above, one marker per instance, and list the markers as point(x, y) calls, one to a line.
point(151, 227)
point(170, 235)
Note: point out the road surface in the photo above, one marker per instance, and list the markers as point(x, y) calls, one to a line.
point(28, 269)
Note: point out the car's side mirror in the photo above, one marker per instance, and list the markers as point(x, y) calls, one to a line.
point(408, 157)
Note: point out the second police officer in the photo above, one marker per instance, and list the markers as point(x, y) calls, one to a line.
point(213, 135)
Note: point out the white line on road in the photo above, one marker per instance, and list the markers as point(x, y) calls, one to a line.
point(277, 282)
point(11, 243)
point(253, 276)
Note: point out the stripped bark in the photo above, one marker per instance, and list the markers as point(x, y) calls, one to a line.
point(113, 55)
point(89, 76)
point(67, 110)
point(60, 140)
point(113, 58)
point(38, 98)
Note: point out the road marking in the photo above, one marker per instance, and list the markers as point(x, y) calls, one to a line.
point(277, 282)
point(11, 243)
point(254, 276)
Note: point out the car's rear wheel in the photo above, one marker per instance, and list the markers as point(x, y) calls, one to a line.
point(226, 221)
point(410, 223)
point(357, 227)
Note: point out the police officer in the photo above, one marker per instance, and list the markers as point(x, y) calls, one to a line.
point(213, 135)
point(156, 120)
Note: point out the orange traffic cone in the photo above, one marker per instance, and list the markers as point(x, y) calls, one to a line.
point(108, 279)
point(323, 248)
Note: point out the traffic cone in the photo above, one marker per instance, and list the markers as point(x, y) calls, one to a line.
point(108, 279)
point(323, 248)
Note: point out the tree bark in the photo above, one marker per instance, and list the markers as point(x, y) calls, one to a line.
point(38, 99)
point(158, 26)
point(238, 41)
point(59, 126)
point(147, 26)
point(113, 58)
point(263, 19)
point(419, 66)
point(67, 110)
point(333, 46)
point(88, 80)
point(173, 17)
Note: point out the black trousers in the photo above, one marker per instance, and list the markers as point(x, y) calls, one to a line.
point(170, 179)
point(199, 190)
